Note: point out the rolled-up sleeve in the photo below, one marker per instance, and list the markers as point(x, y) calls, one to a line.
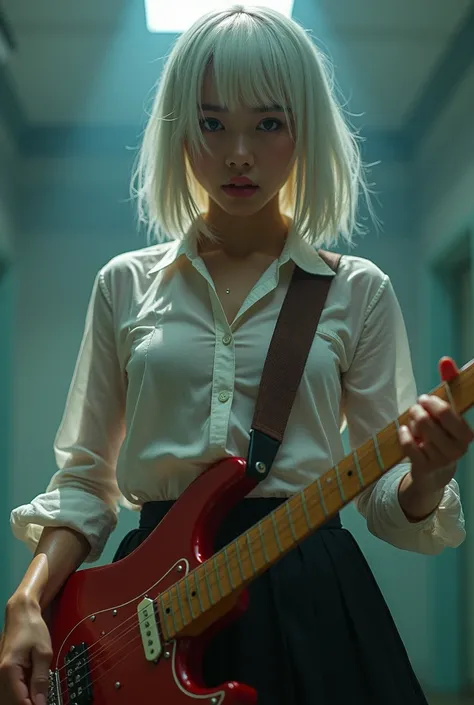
point(379, 386)
point(83, 494)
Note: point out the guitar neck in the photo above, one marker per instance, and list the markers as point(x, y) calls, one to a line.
point(253, 552)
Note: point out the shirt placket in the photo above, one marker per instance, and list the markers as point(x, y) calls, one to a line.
point(223, 379)
point(223, 375)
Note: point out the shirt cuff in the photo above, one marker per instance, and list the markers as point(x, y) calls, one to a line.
point(70, 507)
point(386, 519)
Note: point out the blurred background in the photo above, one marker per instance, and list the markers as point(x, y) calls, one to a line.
point(76, 81)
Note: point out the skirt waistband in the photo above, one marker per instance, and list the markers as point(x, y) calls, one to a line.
point(244, 515)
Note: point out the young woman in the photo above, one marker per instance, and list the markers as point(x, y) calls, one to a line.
point(168, 372)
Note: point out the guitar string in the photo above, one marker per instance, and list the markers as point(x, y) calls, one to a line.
point(217, 571)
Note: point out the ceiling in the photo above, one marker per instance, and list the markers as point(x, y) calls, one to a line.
point(94, 63)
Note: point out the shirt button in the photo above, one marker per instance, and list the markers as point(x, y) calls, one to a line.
point(224, 396)
point(227, 339)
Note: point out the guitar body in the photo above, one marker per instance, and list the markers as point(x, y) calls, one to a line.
point(98, 607)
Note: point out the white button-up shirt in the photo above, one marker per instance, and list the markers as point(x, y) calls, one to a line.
point(164, 387)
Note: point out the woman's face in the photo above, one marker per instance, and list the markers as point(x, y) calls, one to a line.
point(247, 143)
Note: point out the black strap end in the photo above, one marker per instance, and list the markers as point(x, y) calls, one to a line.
point(262, 452)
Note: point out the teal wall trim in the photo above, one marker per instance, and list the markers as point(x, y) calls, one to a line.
point(446, 589)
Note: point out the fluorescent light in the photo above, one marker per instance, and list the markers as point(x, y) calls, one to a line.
point(177, 16)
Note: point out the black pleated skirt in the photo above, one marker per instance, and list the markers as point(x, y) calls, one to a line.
point(317, 630)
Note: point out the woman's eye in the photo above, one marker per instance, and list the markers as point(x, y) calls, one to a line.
point(208, 120)
point(278, 124)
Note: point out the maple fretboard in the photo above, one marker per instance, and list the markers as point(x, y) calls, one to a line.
point(254, 551)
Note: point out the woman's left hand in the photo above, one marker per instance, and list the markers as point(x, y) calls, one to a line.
point(434, 439)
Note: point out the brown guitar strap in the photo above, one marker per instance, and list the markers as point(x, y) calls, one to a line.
point(286, 359)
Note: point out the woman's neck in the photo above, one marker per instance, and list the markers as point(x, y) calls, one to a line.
point(241, 242)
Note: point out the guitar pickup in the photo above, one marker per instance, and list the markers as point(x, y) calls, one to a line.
point(149, 630)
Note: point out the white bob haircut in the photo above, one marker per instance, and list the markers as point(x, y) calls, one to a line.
point(258, 56)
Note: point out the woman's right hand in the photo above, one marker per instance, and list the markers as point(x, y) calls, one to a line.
point(25, 655)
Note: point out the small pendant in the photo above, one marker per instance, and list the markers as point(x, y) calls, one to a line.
point(227, 291)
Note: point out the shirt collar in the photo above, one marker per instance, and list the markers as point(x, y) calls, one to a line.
point(304, 255)
point(301, 252)
point(175, 249)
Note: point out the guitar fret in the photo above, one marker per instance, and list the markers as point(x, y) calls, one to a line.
point(164, 619)
point(305, 510)
point(208, 585)
point(198, 591)
point(180, 604)
point(218, 577)
point(449, 395)
point(275, 531)
point(359, 471)
point(290, 521)
point(239, 559)
point(188, 595)
point(262, 541)
point(250, 552)
point(175, 625)
point(229, 572)
point(338, 478)
point(323, 503)
point(377, 452)
point(397, 428)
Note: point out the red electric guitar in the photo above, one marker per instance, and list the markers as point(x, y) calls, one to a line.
point(138, 627)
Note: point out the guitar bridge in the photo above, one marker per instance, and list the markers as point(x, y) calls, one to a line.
point(78, 680)
point(78, 677)
point(54, 691)
point(149, 631)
